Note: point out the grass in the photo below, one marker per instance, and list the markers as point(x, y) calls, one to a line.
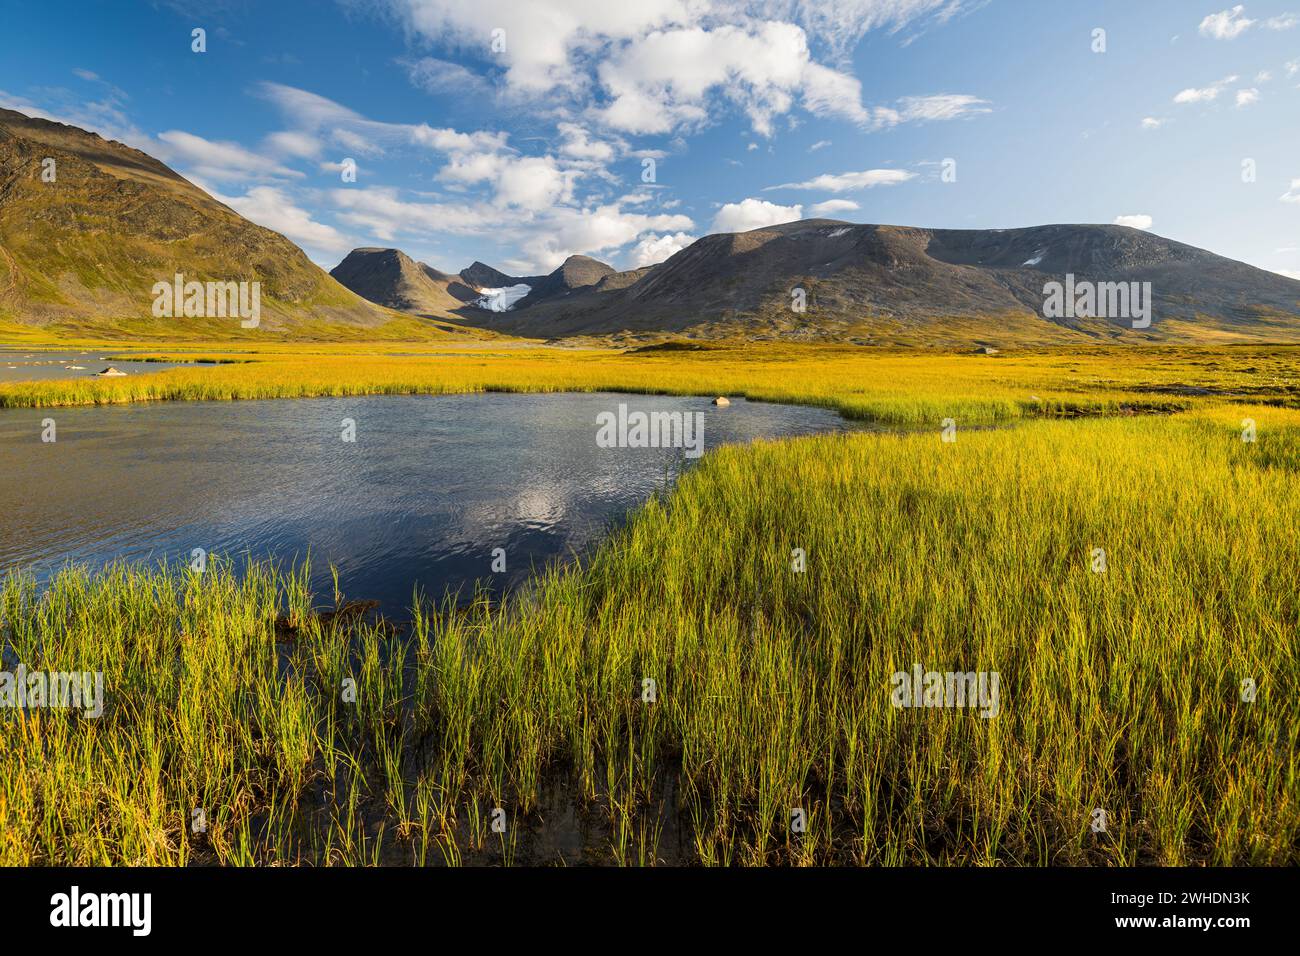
point(1118, 690)
point(890, 387)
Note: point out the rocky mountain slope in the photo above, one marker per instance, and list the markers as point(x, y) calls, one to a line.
point(84, 239)
point(904, 285)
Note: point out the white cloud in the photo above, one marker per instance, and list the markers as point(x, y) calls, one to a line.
point(653, 249)
point(1226, 24)
point(1232, 23)
point(657, 66)
point(547, 237)
point(944, 106)
point(1247, 97)
point(441, 77)
point(1150, 122)
point(832, 206)
point(565, 231)
point(1205, 93)
point(1136, 221)
point(665, 79)
point(103, 117)
point(546, 41)
point(844, 182)
point(753, 214)
point(820, 144)
point(533, 182)
point(579, 145)
point(220, 161)
point(311, 113)
point(1292, 194)
point(294, 143)
point(271, 207)
point(828, 92)
point(840, 24)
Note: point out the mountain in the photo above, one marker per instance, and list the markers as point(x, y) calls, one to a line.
point(393, 279)
point(88, 226)
point(908, 286)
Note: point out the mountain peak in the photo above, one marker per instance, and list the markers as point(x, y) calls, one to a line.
point(127, 221)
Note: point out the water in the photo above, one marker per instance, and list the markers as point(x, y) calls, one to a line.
point(430, 487)
point(40, 366)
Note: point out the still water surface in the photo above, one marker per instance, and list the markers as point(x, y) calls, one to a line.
point(430, 486)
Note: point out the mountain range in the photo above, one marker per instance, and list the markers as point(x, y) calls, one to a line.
point(870, 284)
point(88, 226)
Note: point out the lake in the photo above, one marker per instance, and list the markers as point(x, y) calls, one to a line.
point(426, 491)
point(17, 365)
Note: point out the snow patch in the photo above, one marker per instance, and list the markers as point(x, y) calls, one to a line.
point(838, 232)
point(1038, 257)
point(503, 299)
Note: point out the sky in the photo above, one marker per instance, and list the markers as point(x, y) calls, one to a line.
point(519, 132)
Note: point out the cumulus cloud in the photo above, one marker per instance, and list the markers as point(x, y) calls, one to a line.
point(846, 182)
point(1151, 122)
point(831, 207)
point(1292, 194)
point(658, 66)
point(653, 249)
point(1247, 97)
point(753, 214)
point(1233, 22)
point(546, 237)
point(1226, 24)
point(578, 144)
point(1136, 221)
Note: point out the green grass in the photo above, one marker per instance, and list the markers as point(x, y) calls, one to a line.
point(1119, 691)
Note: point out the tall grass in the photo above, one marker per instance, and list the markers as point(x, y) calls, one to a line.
point(1120, 690)
point(893, 388)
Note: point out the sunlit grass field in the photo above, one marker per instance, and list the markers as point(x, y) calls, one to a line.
point(1121, 689)
point(894, 387)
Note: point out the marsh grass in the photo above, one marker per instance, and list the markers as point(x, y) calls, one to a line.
point(1119, 690)
point(892, 388)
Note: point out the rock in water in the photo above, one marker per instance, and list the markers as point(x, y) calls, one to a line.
point(111, 372)
point(722, 400)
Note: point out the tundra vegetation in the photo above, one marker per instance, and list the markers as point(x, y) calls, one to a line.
point(720, 666)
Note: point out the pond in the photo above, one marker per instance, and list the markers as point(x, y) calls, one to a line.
point(422, 495)
point(17, 365)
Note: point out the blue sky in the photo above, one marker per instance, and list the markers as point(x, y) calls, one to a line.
point(522, 146)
